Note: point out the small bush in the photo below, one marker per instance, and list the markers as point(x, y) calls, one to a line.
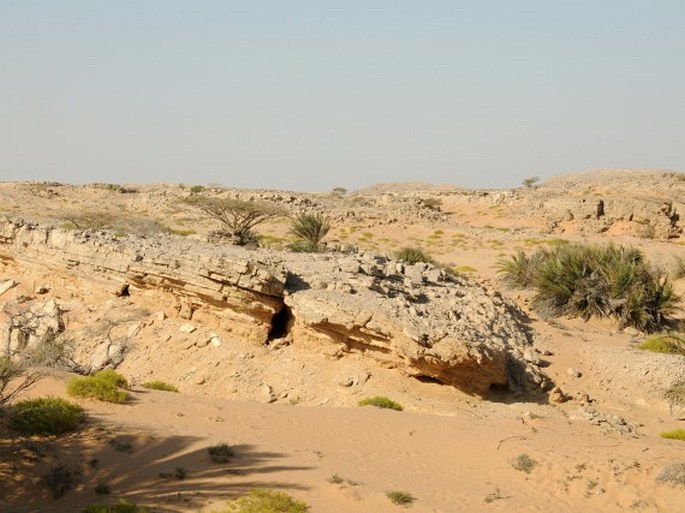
point(676, 393)
point(46, 416)
point(673, 474)
point(381, 402)
point(400, 498)
point(336, 479)
point(103, 386)
point(220, 453)
point(672, 344)
point(113, 377)
point(121, 507)
point(60, 480)
point(524, 463)
point(14, 379)
point(160, 385)
point(262, 500)
point(411, 256)
point(676, 434)
point(196, 189)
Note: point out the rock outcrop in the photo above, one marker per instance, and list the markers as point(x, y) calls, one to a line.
point(415, 318)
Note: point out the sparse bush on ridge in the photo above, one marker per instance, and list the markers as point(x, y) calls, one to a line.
point(160, 385)
point(676, 393)
point(45, 416)
point(592, 281)
point(103, 386)
point(381, 402)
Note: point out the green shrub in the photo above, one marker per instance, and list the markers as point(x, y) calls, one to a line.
point(309, 230)
point(524, 463)
point(160, 385)
point(121, 507)
point(46, 416)
point(381, 402)
point(591, 281)
point(113, 377)
point(220, 453)
point(400, 498)
point(676, 434)
point(673, 474)
point(262, 500)
point(103, 386)
point(666, 343)
point(196, 189)
point(411, 256)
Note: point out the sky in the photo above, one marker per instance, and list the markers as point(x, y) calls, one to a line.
point(314, 94)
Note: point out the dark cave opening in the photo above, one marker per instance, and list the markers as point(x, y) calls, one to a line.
point(281, 323)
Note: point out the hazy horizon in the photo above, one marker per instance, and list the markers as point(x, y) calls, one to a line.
point(310, 95)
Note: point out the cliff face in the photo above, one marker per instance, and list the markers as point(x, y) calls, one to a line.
point(417, 319)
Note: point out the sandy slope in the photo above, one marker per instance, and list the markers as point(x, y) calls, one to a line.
point(449, 463)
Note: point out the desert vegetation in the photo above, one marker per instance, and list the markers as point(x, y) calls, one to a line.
point(586, 281)
point(400, 497)
point(261, 500)
point(413, 255)
point(237, 217)
point(160, 385)
point(309, 230)
point(380, 401)
point(45, 416)
point(103, 385)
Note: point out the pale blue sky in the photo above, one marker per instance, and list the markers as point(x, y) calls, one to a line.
point(313, 94)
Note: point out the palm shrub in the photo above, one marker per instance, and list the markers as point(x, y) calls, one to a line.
point(591, 281)
point(309, 230)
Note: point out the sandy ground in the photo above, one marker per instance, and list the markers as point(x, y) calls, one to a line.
point(600, 451)
point(449, 463)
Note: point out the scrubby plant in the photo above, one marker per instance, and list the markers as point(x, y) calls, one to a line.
point(591, 281)
point(676, 434)
point(411, 256)
point(336, 479)
point(381, 402)
point(160, 385)
point(196, 189)
point(400, 497)
point(237, 217)
point(673, 474)
point(45, 416)
point(431, 203)
point(113, 377)
point(61, 479)
point(103, 386)
point(529, 182)
point(220, 453)
point(15, 378)
point(665, 343)
point(309, 230)
point(261, 500)
point(676, 393)
point(524, 463)
point(122, 506)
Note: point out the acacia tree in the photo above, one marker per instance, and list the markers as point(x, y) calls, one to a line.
point(237, 217)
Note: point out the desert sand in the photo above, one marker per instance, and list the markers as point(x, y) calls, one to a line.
point(289, 407)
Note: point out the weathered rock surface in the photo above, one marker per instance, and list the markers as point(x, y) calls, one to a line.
point(417, 318)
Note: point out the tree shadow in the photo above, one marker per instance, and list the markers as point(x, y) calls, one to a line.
point(164, 473)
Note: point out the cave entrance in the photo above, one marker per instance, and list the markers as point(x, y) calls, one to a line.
point(281, 323)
